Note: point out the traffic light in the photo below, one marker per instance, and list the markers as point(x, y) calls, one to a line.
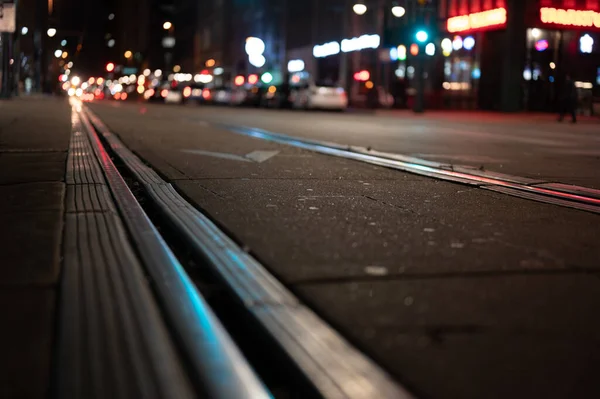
point(422, 36)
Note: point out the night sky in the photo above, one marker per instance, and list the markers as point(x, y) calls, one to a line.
point(86, 22)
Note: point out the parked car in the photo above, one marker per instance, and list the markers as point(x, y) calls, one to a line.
point(221, 95)
point(199, 93)
point(320, 95)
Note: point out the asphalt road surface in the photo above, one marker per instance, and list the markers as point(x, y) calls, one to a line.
point(456, 291)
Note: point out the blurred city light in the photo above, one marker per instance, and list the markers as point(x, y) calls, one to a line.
point(71, 92)
point(210, 63)
point(177, 68)
point(24, 30)
point(158, 73)
point(91, 81)
point(469, 43)
point(63, 43)
point(78, 92)
point(586, 44)
point(414, 49)
point(239, 80)
point(51, 32)
point(147, 72)
point(75, 80)
point(361, 43)
point(253, 79)
point(167, 25)
point(402, 52)
point(398, 11)
point(327, 49)
point(536, 33)
point(369, 85)
point(430, 49)
point(422, 36)
point(99, 81)
point(70, 64)
point(552, 65)
point(266, 77)
point(128, 54)
point(111, 43)
point(140, 89)
point(540, 45)
point(295, 66)
point(447, 47)
point(457, 43)
point(359, 8)
point(254, 46)
point(111, 16)
point(257, 60)
point(64, 54)
point(187, 92)
point(362, 76)
point(58, 53)
point(110, 67)
point(218, 71)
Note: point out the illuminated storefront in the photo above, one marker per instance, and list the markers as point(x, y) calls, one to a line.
point(517, 51)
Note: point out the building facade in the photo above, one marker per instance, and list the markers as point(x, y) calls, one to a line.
point(518, 52)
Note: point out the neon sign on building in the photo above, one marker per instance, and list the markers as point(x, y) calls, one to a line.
point(558, 16)
point(479, 20)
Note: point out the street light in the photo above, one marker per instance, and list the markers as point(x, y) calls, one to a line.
point(398, 11)
point(51, 32)
point(167, 25)
point(359, 8)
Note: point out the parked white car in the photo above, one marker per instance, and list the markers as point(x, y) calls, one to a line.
point(319, 96)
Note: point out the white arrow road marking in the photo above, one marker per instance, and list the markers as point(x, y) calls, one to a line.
point(254, 156)
point(261, 156)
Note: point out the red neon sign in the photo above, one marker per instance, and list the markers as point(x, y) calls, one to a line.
point(558, 16)
point(479, 20)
